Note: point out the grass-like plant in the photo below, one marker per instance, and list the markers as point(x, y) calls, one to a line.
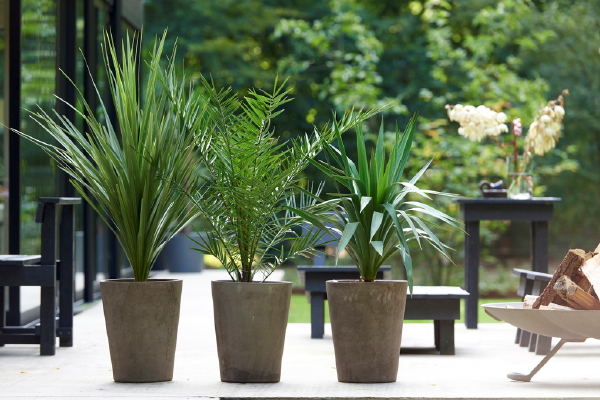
point(253, 197)
point(375, 218)
point(126, 169)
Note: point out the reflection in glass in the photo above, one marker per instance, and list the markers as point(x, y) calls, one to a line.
point(38, 75)
point(3, 192)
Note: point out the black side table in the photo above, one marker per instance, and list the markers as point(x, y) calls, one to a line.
point(537, 210)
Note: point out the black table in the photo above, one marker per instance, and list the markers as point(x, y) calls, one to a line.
point(537, 210)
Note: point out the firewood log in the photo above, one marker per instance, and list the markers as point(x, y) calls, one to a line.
point(591, 270)
point(574, 295)
point(570, 266)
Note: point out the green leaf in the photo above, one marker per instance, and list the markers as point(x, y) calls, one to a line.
point(378, 246)
point(349, 230)
point(364, 201)
point(375, 223)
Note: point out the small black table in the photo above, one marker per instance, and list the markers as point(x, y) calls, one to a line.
point(537, 210)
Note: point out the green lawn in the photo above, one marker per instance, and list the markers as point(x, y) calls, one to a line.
point(300, 309)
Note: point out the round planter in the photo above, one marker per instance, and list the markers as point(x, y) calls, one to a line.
point(366, 323)
point(250, 324)
point(141, 323)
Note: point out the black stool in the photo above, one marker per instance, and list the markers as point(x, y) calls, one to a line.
point(56, 214)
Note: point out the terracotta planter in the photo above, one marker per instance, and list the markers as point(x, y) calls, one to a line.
point(250, 324)
point(141, 323)
point(366, 323)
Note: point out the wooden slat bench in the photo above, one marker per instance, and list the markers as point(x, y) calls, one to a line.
point(50, 271)
point(438, 303)
point(534, 283)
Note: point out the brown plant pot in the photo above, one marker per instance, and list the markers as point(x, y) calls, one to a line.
point(141, 323)
point(366, 323)
point(250, 324)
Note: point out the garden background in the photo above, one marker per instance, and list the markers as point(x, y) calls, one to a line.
point(510, 55)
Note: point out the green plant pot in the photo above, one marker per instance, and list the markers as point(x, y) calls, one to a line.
point(250, 325)
point(366, 323)
point(141, 324)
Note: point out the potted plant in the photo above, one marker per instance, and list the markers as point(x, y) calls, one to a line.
point(125, 169)
point(252, 200)
point(375, 220)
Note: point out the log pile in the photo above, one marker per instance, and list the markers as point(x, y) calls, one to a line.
point(575, 284)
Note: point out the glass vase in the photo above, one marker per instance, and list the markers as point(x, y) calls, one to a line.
point(520, 176)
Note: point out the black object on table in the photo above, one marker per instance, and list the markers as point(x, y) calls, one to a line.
point(537, 210)
point(56, 214)
point(438, 303)
point(533, 283)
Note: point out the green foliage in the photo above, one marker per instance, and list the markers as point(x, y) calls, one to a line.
point(375, 218)
point(509, 54)
point(353, 78)
point(253, 197)
point(128, 177)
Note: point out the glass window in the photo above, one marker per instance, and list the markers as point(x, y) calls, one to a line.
point(3, 121)
point(38, 76)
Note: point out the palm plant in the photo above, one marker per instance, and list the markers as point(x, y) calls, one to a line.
point(126, 170)
point(253, 198)
point(374, 217)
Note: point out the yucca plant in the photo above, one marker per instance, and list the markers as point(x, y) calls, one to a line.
point(253, 197)
point(375, 218)
point(129, 170)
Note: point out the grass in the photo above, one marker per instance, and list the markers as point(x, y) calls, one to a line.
point(300, 310)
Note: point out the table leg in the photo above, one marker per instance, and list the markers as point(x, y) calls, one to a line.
point(436, 334)
point(544, 344)
point(67, 275)
point(525, 338)
point(445, 331)
point(48, 321)
point(317, 315)
point(471, 272)
point(539, 246)
point(2, 310)
point(13, 314)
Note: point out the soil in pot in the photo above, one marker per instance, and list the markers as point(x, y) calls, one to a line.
point(141, 322)
point(366, 323)
point(250, 325)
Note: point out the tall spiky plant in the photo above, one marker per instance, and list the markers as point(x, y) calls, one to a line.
point(374, 217)
point(125, 169)
point(253, 198)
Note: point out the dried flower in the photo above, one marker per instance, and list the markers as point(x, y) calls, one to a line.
point(477, 123)
point(544, 131)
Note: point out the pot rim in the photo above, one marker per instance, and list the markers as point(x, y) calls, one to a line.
point(132, 280)
point(360, 281)
point(253, 282)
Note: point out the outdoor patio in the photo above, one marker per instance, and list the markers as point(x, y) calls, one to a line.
point(478, 370)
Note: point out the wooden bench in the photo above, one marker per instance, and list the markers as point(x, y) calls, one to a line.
point(534, 283)
point(438, 303)
point(56, 214)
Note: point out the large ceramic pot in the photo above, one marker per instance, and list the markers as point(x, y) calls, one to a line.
point(141, 323)
point(250, 324)
point(366, 323)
